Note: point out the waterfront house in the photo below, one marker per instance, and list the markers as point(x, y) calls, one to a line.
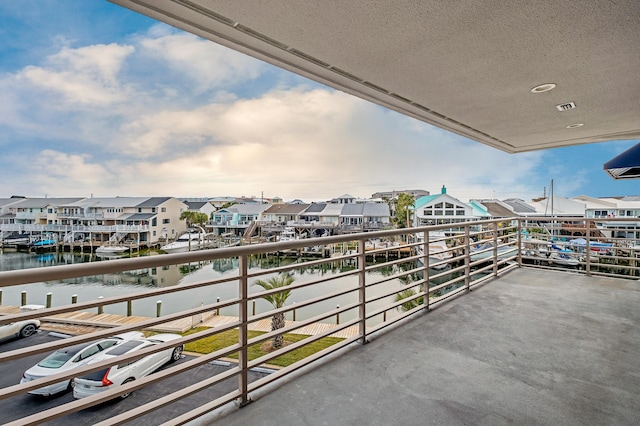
point(283, 213)
point(146, 220)
point(200, 207)
point(237, 218)
point(364, 217)
point(7, 209)
point(444, 209)
point(609, 208)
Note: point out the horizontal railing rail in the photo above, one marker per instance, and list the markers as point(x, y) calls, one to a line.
point(361, 289)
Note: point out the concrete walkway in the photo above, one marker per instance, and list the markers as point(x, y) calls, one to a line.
point(534, 347)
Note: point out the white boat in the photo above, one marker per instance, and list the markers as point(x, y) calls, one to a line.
point(188, 241)
point(484, 251)
point(111, 250)
point(550, 252)
point(289, 234)
point(439, 252)
point(17, 239)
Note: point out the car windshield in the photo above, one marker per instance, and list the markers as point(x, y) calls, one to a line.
point(61, 356)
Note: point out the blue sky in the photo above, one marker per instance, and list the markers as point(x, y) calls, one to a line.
point(99, 100)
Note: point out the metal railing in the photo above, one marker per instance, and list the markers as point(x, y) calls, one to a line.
point(378, 285)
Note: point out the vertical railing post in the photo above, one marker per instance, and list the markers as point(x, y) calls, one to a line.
point(495, 248)
point(425, 270)
point(243, 312)
point(100, 307)
point(519, 242)
point(362, 294)
point(159, 308)
point(467, 258)
point(129, 308)
point(49, 300)
point(588, 247)
point(23, 298)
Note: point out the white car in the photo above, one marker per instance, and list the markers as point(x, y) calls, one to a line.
point(107, 378)
point(66, 359)
point(19, 329)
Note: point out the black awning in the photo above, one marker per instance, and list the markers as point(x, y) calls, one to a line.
point(625, 165)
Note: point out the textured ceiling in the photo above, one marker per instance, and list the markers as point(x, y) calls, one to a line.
point(465, 66)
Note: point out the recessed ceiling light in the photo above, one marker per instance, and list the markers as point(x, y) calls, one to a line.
point(575, 126)
point(543, 88)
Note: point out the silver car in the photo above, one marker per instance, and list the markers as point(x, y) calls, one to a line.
point(66, 359)
point(19, 329)
point(125, 372)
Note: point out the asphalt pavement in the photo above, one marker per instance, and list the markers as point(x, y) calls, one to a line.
point(24, 405)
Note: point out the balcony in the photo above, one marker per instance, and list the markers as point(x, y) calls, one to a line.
point(500, 335)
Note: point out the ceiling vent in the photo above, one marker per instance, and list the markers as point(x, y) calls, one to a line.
point(566, 107)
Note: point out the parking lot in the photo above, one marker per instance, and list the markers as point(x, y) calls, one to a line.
point(24, 405)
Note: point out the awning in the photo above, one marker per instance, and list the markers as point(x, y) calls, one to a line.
point(625, 165)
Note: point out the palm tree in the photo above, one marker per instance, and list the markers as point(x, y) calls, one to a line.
point(409, 304)
point(277, 300)
point(193, 218)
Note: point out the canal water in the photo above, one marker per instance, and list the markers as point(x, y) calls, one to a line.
point(107, 285)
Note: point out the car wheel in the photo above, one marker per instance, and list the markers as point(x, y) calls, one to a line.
point(28, 330)
point(176, 354)
point(125, 395)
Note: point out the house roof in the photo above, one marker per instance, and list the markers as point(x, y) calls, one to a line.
point(315, 208)
point(153, 201)
point(559, 206)
point(496, 209)
point(39, 203)
point(519, 206)
point(138, 216)
point(286, 208)
point(195, 205)
point(473, 68)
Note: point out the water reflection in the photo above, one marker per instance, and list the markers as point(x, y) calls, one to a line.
point(107, 285)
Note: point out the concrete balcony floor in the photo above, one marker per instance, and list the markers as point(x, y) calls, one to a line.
point(534, 347)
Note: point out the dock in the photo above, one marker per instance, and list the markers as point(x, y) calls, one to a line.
point(82, 322)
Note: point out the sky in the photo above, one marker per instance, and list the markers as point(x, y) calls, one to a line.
point(97, 100)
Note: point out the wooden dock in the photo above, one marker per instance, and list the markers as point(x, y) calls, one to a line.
point(84, 322)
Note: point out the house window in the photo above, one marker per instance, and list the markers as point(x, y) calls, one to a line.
point(164, 210)
point(154, 221)
point(164, 221)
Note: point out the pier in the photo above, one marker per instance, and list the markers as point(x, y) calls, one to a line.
point(82, 322)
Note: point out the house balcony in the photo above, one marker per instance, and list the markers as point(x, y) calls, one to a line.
point(494, 335)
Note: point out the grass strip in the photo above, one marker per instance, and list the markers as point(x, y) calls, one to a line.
point(230, 337)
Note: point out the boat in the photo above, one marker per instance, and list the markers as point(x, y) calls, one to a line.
point(188, 241)
point(550, 252)
point(289, 234)
point(580, 244)
point(43, 244)
point(483, 250)
point(110, 249)
point(17, 239)
point(439, 252)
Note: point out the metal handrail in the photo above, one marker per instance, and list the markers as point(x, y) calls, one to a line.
point(460, 276)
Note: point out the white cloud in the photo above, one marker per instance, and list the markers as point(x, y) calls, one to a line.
point(86, 75)
point(100, 125)
point(206, 64)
